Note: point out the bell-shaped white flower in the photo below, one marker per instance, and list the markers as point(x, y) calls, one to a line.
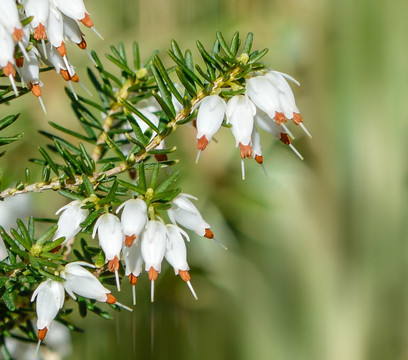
point(69, 222)
point(133, 219)
point(7, 61)
point(256, 146)
point(49, 297)
point(73, 32)
point(9, 18)
point(39, 11)
point(240, 114)
point(209, 119)
point(184, 213)
point(81, 282)
point(153, 248)
point(74, 9)
point(176, 254)
point(111, 239)
point(132, 255)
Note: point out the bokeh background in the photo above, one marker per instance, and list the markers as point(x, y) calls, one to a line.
point(317, 260)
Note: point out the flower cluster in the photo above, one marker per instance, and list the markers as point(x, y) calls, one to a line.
point(139, 238)
point(268, 103)
point(53, 22)
point(50, 294)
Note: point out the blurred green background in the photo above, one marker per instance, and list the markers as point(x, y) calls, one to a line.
point(318, 259)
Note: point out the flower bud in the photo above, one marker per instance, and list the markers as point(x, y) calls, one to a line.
point(133, 219)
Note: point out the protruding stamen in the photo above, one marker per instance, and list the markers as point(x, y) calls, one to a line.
point(192, 290)
point(114, 264)
point(284, 127)
point(68, 66)
point(266, 173)
point(134, 294)
point(23, 50)
point(153, 274)
point(285, 138)
point(73, 90)
point(37, 349)
point(44, 48)
point(123, 306)
point(152, 291)
point(296, 151)
point(133, 279)
point(13, 85)
point(90, 56)
point(117, 280)
point(297, 118)
point(305, 130)
point(97, 33)
point(208, 234)
point(42, 105)
point(221, 244)
point(85, 88)
point(198, 156)
point(246, 150)
point(202, 143)
point(280, 118)
point(17, 35)
point(243, 169)
point(129, 239)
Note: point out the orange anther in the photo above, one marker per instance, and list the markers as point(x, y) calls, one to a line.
point(65, 74)
point(87, 21)
point(129, 239)
point(42, 333)
point(153, 274)
point(208, 234)
point(35, 88)
point(9, 70)
point(40, 32)
point(279, 118)
point(75, 78)
point(259, 159)
point(246, 150)
point(297, 118)
point(114, 264)
point(82, 44)
point(133, 279)
point(62, 50)
point(285, 138)
point(110, 299)
point(185, 275)
point(202, 143)
point(18, 34)
point(20, 61)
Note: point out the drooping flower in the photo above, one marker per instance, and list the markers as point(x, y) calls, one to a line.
point(69, 222)
point(49, 297)
point(132, 255)
point(133, 219)
point(153, 247)
point(176, 254)
point(184, 213)
point(111, 239)
point(209, 119)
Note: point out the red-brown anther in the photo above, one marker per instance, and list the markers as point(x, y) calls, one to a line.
point(40, 32)
point(35, 88)
point(246, 151)
point(279, 118)
point(87, 21)
point(285, 138)
point(82, 44)
point(20, 62)
point(65, 74)
point(185, 275)
point(62, 50)
point(110, 299)
point(202, 143)
point(208, 234)
point(259, 159)
point(133, 279)
point(153, 274)
point(9, 70)
point(297, 118)
point(114, 264)
point(42, 333)
point(129, 239)
point(161, 157)
point(132, 173)
point(75, 78)
point(18, 34)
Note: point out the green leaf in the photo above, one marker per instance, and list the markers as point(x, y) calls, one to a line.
point(50, 276)
point(155, 176)
point(71, 195)
point(166, 183)
point(176, 50)
point(120, 65)
point(254, 57)
point(136, 55)
point(235, 43)
point(186, 70)
point(132, 187)
point(10, 139)
point(190, 87)
point(133, 110)
point(114, 147)
point(88, 185)
point(8, 120)
point(90, 219)
point(164, 92)
point(53, 244)
point(169, 113)
point(8, 301)
point(224, 45)
point(72, 133)
point(111, 195)
point(166, 196)
point(166, 78)
point(24, 232)
point(48, 160)
point(20, 239)
point(248, 43)
point(47, 235)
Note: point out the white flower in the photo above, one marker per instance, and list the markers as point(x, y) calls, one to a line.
point(133, 219)
point(186, 214)
point(39, 11)
point(10, 20)
point(133, 258)
point(240, 114)
point(69, 222)
point(50, 298)
point(111, 239)
point(7, 61)
point(153, 248)
point(74, 9)
point(73, 32)
point(81, 282)
point(209, 119)
point(176, 253)
point(256, 146)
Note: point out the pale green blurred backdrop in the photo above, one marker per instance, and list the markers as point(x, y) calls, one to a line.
point(318, 258)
